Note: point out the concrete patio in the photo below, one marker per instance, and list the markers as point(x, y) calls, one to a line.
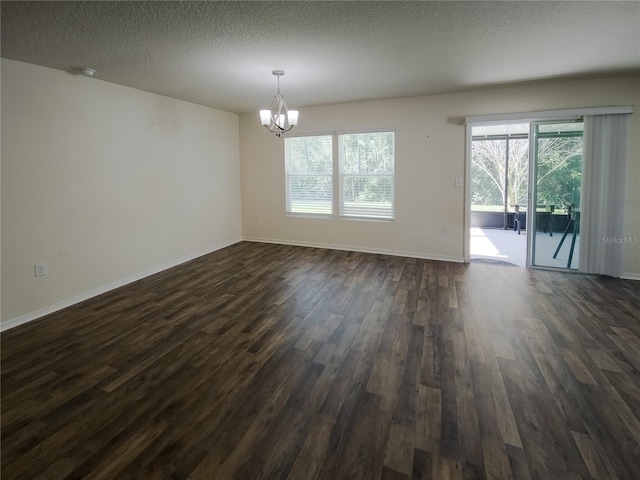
point(498, 245)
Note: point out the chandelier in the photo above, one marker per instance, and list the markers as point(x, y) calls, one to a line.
point(279, 119)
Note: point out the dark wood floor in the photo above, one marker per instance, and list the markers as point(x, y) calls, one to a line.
point(271, 361)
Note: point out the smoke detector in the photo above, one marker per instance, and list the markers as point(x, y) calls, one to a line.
point(85, 71)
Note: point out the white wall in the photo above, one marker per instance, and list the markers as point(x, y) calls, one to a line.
point(430, 153)
point(106, 184)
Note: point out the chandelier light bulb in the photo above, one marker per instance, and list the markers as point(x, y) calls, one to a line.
point(293, 118)
point(265, 117)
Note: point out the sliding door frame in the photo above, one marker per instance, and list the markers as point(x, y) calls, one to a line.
point(510, 118)
point(532, 193)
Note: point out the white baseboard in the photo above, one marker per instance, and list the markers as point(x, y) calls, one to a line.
point(630, 276)
point(41, 312)
point(355, 248)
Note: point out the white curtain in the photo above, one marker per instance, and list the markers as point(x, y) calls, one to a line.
point(602, 196)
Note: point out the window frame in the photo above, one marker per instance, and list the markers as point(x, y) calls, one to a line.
point(336, 179)
point(373, 218)
point(288, 175)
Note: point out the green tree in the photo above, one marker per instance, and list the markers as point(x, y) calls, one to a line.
point(309, 166)
point(366, 159)
point(558, 171)
point(488, 164)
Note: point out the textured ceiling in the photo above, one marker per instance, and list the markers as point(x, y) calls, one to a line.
point(221, 54)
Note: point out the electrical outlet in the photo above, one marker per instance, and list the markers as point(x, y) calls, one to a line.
point(40, 269)
point(445, 229)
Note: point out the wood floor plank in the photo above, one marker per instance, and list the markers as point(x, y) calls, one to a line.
point(496, 461)
point(428, 419)
point(590, 455)
point(399, 452)
point(446, 469)
point(309, 462)
point(274, 361)
point(421, 465)
point(518, 463)
point(470, 440)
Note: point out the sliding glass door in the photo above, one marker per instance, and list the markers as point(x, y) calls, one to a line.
point(554, 209)
point(499, 173)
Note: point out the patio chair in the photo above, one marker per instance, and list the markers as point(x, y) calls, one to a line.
point(516, 219)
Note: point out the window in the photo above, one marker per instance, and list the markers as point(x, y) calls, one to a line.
point(366, 174)
point(309, 174)
point(363, 171)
